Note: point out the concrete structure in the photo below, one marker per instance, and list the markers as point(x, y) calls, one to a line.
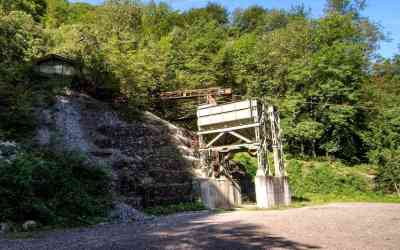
point(244, 126)
point(218, 193)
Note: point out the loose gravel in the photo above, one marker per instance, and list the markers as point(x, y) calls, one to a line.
point(334, 226)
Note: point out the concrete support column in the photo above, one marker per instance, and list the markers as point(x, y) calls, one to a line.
point(261, 189)
point(287, 196)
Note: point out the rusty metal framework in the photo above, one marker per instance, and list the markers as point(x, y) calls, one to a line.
point(247, 126)
point(241, 126)
point(195, 93)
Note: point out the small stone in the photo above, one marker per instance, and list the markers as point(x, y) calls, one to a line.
point(29, 225)
point(4, 228)
point(123, 213)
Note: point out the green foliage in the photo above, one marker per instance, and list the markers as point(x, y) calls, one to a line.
point(16, 112)
point(250, 163)
point(312, 69)
point(57, 12)
point(52, 189)
point(388, 177)
point(28, 41)
point(333, 99)
point(35, 8)
point(171, 209)
point(16, 97)
point(211, 13)
point(345, 6)
point(325, 179)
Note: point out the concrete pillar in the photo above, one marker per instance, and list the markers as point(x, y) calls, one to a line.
point(287, 196)
point(261, 189)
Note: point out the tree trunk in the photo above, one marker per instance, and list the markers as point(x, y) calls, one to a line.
point(397, 187)
point(313, 149)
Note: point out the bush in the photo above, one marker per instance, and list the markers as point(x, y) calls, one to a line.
point(52, 189)
point(388, 177)
point(325, 179)
point(250, 163)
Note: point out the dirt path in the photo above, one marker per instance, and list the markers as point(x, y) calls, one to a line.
point(335, 226)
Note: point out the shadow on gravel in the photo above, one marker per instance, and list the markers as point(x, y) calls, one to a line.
point(200, 232)
point(182, 231)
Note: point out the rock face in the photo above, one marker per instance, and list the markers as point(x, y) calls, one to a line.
point(151, 160)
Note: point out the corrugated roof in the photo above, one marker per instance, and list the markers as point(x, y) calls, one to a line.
point(54, 57)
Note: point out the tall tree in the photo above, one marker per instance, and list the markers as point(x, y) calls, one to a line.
point(35, 8)
point(345, 6)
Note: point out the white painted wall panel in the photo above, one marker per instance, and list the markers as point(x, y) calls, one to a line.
point(227, 113)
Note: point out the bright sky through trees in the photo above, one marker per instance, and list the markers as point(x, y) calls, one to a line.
point(385, 12)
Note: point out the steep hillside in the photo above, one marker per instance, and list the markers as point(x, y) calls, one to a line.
point(152, 161)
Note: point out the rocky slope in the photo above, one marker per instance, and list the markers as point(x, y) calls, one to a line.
point(152, 161)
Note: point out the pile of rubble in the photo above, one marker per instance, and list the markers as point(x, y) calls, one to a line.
point(8, 151)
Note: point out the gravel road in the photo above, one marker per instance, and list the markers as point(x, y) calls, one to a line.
point(334, 226)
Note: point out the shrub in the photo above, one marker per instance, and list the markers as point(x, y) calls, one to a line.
point(250, 163)
point(52, 189)
point(324, 178)
point(388, 177)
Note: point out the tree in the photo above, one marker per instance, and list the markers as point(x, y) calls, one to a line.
point(16, 104)
point(57, 13)
point(78, 12)
point(248, 20)
point(388, 177)
point(381, 97)
point(258, 19)
point(194, 54)
point(35, 8)
point(212, 12)
point(27, 42)
point(159, 20)
point(345, 6)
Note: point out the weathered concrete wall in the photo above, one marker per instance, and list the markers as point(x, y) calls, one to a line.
point(218, 193)
point(272, 191)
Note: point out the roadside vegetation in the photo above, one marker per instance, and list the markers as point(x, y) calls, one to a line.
point(314, 181)
point(52, 189)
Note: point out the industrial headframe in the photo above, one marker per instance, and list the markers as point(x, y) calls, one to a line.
point(248, 126)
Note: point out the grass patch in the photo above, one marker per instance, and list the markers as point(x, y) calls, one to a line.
point(318, 182)
point(176, 208)
point(362, 197)
point(314, 182)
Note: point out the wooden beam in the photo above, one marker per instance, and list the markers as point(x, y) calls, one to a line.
point(240, 136)
point(223, 130)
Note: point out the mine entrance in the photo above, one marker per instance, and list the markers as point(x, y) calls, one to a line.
point(243, 169)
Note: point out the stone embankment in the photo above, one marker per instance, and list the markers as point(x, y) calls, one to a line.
point(152, 161)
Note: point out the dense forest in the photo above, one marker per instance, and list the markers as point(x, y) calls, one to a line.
point(337, 97)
